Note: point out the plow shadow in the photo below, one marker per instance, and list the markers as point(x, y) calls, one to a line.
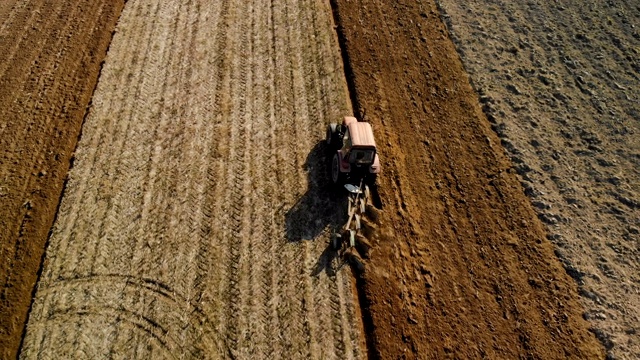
point(320, 210)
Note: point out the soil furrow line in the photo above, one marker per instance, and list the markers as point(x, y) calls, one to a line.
point(28, 28)
point(238, 177)
point(37, 83)
point(259, 258)
point(8, 10)
point(214, 208)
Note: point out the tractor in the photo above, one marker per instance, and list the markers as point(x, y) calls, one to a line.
point(355, 166)
point(353, 152)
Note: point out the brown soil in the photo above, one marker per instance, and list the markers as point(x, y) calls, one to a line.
point(462, 267)
point(195, 222)
point(50, 54)
point(560, 81)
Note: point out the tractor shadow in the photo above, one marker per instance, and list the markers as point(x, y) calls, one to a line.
point(322, 208)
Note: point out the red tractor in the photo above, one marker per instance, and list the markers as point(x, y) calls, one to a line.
point(353, 148)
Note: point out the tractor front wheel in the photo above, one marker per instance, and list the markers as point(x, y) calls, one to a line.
point(332, 130)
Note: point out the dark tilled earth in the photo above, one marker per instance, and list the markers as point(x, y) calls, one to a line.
point(461, 266)
point(50, 56)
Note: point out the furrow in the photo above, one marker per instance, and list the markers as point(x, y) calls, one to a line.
point(9, 9)
point(259, 259)
point(238, 188)
point(23, 13)
point(35, 82)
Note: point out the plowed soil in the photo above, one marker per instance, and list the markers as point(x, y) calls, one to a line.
point(560, 81)
point(50, 54)
point(462, 267)
point(194, 223)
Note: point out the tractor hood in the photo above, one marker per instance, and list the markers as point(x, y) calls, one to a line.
point(361, 134)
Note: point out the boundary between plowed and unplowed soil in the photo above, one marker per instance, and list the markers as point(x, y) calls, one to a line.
point(461, 266)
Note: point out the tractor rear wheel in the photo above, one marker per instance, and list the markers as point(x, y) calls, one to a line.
point(337, 177)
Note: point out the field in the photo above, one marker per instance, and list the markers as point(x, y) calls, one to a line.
point(50, 55)
point(560, 81)
point(196, 216)
point(192, 214)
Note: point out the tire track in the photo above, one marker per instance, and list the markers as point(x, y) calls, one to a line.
point(297, 335)
point(304, 261)
point(274, 194)
point(261, 269)
point(211, 278)
point(237, 185)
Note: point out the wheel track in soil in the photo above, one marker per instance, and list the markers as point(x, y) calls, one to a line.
point(191, 154)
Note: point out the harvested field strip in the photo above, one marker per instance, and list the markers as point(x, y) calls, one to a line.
point(194, 223)
point(50, 54)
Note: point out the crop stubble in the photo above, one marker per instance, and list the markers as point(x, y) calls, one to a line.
point(183, 228)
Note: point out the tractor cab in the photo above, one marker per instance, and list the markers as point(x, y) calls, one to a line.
point(354, 152)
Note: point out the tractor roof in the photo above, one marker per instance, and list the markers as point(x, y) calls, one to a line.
point(361, 134)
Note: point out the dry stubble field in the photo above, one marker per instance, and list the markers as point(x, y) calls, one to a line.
point(189, 224)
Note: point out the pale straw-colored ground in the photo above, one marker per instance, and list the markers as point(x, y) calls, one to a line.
point(193, 224)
